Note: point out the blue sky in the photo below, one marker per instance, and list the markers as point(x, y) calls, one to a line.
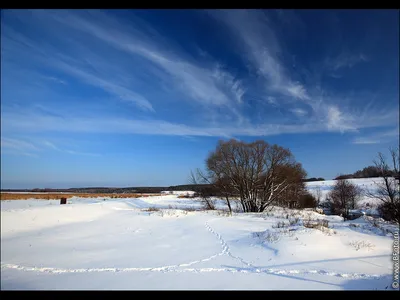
point(140, 97)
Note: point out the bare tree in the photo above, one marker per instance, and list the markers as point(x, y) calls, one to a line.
point(203, 190)
point(318, 194)
point(296, 194)
point(343, 197)
point(257, 173)
point(388, 188)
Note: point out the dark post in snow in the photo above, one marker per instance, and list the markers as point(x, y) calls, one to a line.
point(63, 201)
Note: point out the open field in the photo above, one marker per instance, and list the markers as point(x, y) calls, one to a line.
point(58, 196)
point(170, 243)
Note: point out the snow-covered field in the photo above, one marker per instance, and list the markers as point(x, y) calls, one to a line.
point(166, 242)
point(364, 183)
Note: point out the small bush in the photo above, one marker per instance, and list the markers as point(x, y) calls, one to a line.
point(223, 213)
point(267, 236)
point(271, 237)
point(189, 208)
point(208, 204)
point(354, 225)
point(152, 209)
point(237, 209)
point(362, 244)
point(294, 221)
point(315, 223)
point(280, 224)
point(324, 223)
point(390, 211)
point(307, 201)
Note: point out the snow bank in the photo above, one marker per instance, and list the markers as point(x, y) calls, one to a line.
point(178, 192)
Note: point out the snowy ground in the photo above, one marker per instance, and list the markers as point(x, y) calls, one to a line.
point(164, 242)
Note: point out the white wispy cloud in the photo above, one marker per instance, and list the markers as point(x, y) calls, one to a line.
point(130, 62)
point(83, 153)
point(33, 122)
point(55, 79)
point(208, 85)
point(26, 121)
point(262, 47)
point(18, 153)
point(345, 60)
point(336, 120)
point(23, 147)
point(299, 112)
point(380, 137)
point(17, 144)
point(53, 146)
point(106, 76)
point(202, 81)
point(110, 86)
point(235, 85)
point(18, 147)
point(253, 32)
point(271, 100)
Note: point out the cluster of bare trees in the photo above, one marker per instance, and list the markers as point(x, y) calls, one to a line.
point(367, 172)
point(343, 197)
point(257, 173)
point(318, 194)
point(388, 188)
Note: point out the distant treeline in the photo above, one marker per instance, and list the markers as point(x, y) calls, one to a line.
point(368, 172)
point(111, 190)
point(127, 190)
point(314, 179)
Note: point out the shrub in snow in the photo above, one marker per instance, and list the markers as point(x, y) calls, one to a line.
point(191, 208)
point(344, 197)
point(152, 209)
point(362, 244)
point(208, 204)
point(322, 225)
point(308, 223)
point(390, 211)
point(354, 225)
point(223, 213)
point(308, 200)
point(280, 224)
point(267, 236)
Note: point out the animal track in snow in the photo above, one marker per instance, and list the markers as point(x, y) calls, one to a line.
point(167, 269)
point(183, 267)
